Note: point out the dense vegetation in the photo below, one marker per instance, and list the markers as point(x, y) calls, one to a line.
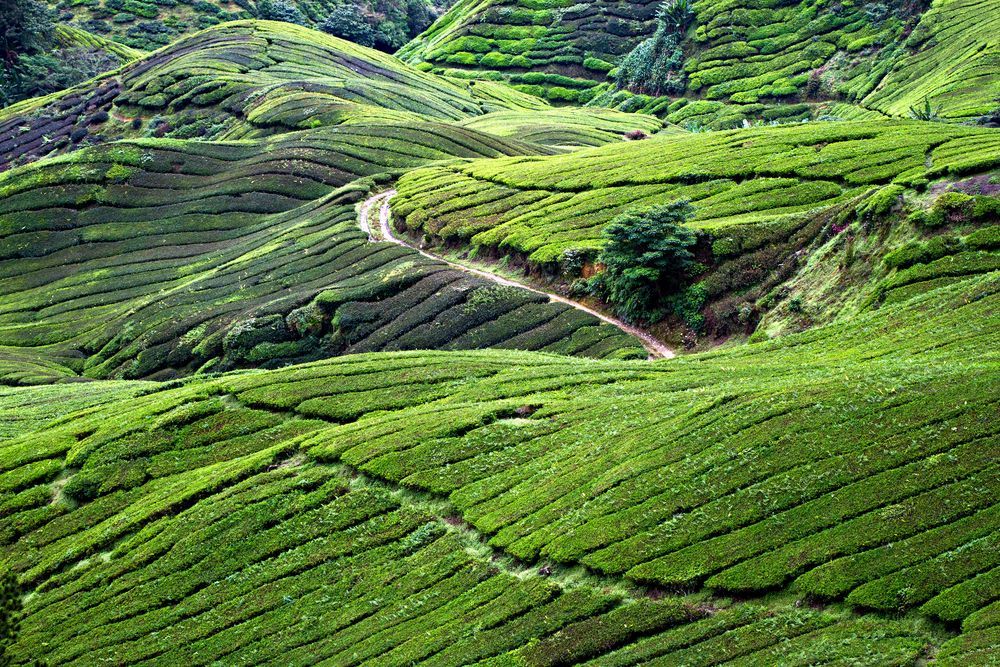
point(647, 259)
point(149, 24)
point(39, 56)
point(764, 200)
point(700, 480)
point(770, 61)
point(274, 392)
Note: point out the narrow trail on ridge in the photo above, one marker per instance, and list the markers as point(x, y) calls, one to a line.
point(656, 349)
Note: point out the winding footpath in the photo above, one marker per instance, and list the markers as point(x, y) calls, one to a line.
point(656, 349)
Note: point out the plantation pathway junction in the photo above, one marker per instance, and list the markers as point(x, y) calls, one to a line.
point(656, 349)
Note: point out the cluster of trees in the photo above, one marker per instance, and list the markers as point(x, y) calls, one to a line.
point(383, 24)
point(656, 65)
point(648, 262)
point(32, 61)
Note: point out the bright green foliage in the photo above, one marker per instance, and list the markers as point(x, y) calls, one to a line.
point(193, 253)
point(646, 258)
point(744, 181)
point(887, 57)
point(565, 127)
point(766, 199)
point(948, 63)
point(222, 523)
point(557, 37)
point(71, 36)
point(287, 77)
point(341, 472)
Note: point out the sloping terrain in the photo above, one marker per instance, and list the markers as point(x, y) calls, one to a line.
point(73, 37)
point(566, 127)
point(739, 60)
point(553, 36)
point(225, 519)
point(543, 206)
point(951, 62)
point(143, 258)
point(232, 81)
point(784, 215)
point(149, 24)
point(163, 256)
point(266, 428)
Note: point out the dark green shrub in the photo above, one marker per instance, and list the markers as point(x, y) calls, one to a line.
point(688, 304)
point(949, 207)
point(26, 34)
point(880, 203)
point(654, 67)
point(647, 258)
point(348, 22)
point(279, 10)
point(26, 27)
point(82, 487)
point(987, 238)
point(917, 252)
point(725, 247)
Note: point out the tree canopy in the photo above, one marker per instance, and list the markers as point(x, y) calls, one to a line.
point(647, 257)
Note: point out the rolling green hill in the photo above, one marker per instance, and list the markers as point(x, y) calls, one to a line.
point(352, 505)
point(738, 60)
point(305, 357)
point(542, 206)
point(158, 256)
point(257, 78)
point(804, 214)
point(149, 24)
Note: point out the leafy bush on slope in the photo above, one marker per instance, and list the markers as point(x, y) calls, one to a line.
point(647, 258)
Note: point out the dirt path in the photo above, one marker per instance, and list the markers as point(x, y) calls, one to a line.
point(656, 349)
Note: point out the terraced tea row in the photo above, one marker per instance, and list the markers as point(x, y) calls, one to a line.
point(568, 127)
point(242, 79)
point(744, 470)
point(157, 257)
point(950, 64)
point(754, 56)
point(224, 519)
point(73, 37)
point(741, 183)
point(348, 571)
point(555, 36)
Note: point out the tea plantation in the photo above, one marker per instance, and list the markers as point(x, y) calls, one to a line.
point(310, 354)
point(153, 257)
point(361, 510)
point(728, 61)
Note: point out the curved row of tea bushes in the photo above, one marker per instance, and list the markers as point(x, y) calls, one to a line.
point(950, 63)
point(224, 519)
point(238, 80)
point(159, 257)
point(542, 207)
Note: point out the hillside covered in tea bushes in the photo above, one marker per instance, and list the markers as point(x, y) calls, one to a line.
point(312, 354)
point(715, 64)
point(150, 24)
point(440, 507)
